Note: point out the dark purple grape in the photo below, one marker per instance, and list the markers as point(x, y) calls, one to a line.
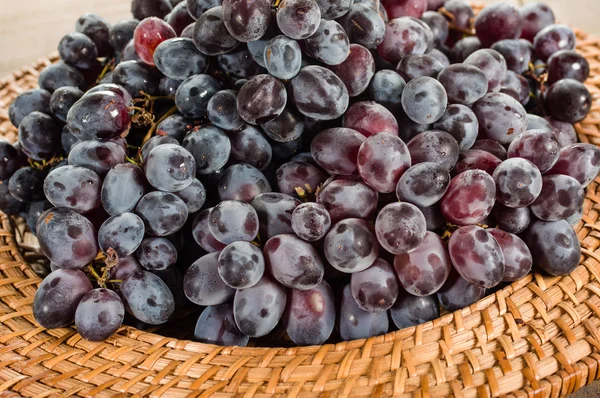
point(293, 262)
point(438, 25)
point(250, 146)
point(355, 324)
point(39, 136)
point(175, 126)
point(125, 266)
point(216, 325)
point(179, 18)
point(202, 235)
point(538, 146)
point(241, 265)
point(424, 100)
point(518, 182)
point(364, 25)
point(425, 270)
point(198, 7)
point(242, 182)
point(27, 184)
point(535, 122)
point(62, 100)
point(150, 8)
point(580, 161)
point(210, 35)
point(386, 89)
point(465, 48)
point(179, 59)
point(170, 168)
point(560, 198)
point(400, 8)
point(382, 160)
point(293, 175)
point(99, 156)
point(232, 221)
point(155, 141)
point(99, 314)
point(210, 147)
point(517, 87)
point(136, 76)
point(536, 16)
point(261, 99)
point(27, 102)
point(10, 160)
point(283, 57)
point(492, 64)
point(114, 88)
point(491, 146)
point(298, 19)
point(67, 238)
point(328, 44)
point(258, 309)
point(440, 56)
point(498, 22)
point(370, 118)
point(411, 310)
point(552, 39)
point(336, 150)
point(60, 75)
point(309, 316)
point(351, 246)
point(311, 221)
point(194, 196)
point(434, 146)
point(193, 95)
point(501, 117)
point(239, 63)
point(33, 212)
point(168, 87)
point(517, 54)
point(460, 13)
point(57, 298)
point(404, 36)
point(419, 65)
point(246, 20)
point(284, 151)
point(333, 9)
point(73, 187)
point(274, 213)
point(464, 84)
point(376, 288)
point(511, 220)
point(470, 198)
point(78, 50)
point(129, 54)
point(202, 284)
point(163, 213)
point(345, 198)
point(568, 100)
point(423, 184)
point(461, 123)
point(517, 257)
point(147, 297)
point(122, 32)
point(288, 126)
point(123, 187)
point(156, 254)
point(554, 245)
point(400, 228)
point(457, 293)
point(100, 115)
point(123, 234)
point(318, 93)
point(477, 256)
point(357, 70)
point(97, 29)
point(476, 159)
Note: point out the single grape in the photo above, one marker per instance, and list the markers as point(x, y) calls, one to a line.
point(170, 168)
point(404, 36)
point(33, 212)
point(8, 203)
point(122, 189)
point(27, 184)
point(535, 122)
point(288, 126)
point(27, 102)
point(345, 198)
point(198, 7)
point(309, 316)
point(423, 185)
point(274, 214)
point(438, 25)
point(536, 16)
point(97, 29)
point(351, 246)
point(242, 182)
point(150, 8)
point(517, 257)
point(147, 297)
point(537, 146)
point(517, 87)
point(67, 238)
point(464, 48)
point(411, 310)
point(382, 160)
point(477, 256)
point(250, 146)
point(311, 221)
point(355, 324)
point(202, 284)
point(476, 159)
point(336, 150)
point(123, 233)
point(568, 100)
point(122, 32)
point(210, 35)
point(333, 9)
point(99, 314)
point(60, 75)
point(514, 221)
point(241, 265)
point(99, 156)
point(202, 235)
point(156, 254)
point(457, 293)
point(78, 50)
point(470, 198)
point(73, 187)
point(461, 123)
point(554, 245)
point(364, 25)
point(518, 182)
point(492, 64)
point(163, 213)
point(561, 197)
point(148, 34)
point(464, 84)
point(517, 54)
point(100, 115)
point(175, 126)
point(178, 58)
point(58, 296)
point(39, 136)
point(283, 57)
point(370, 118)
point(114, 88)
point(216, 325)
point(419, 65)
point(434, 146)
point(424, 100)
point(357, 70)
point(210, 147)
point(261, 99)
point(329, 44)
point(580, 161)
point(194, 196)
point(298, 19)
point(136, 76)
point(246, 20)
point(498, 22)
point(232, 221)
point(386, 89)
point(552, 39)
point(318, 93)
point(62, 100)
point(400, 228)
point(293, 175)
point(193, 95)
point(376, 288)
point(501, 117)
point(491, 146)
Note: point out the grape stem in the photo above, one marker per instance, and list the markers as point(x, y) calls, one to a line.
point(109, 65)
point(452, 25)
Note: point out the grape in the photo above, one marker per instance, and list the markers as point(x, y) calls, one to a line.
point(246, 20)
point(460, 13)
point(123, 233)
point(258, 309)
point(193, 95)
point(288, 126)
point(576, 218)
point(438, 25)
point(202, 284)
point(351, 246)
point(441, 57)
point(567, 65)
point(250, 146)
point(156, 254)
point(434, 146)
point(535, 122)
point(517, 87)
point(305, 157)
point(97, 29)
point(464, 84)
point(114, 88)
point(355, 324)
point(311, 221)
point(332, 9)
point(136, 76)
point(202, 235)
point(329, 44)
point(232, 221)
point(60, 75)
point(154, 142)
point(497, 22)
point(336, 150)
point(123, 188)
point(460, 122)
point(364, 25)
point(78, 50)
point(580, 161)
point(194, 196)
point(491, 146)
point(283, 57)
point(163, 213)
point(122, 32)
point(124, 267)
point(536, 16)
point(554, 245)
point(512, 220)
point(129, 54)
point(386, 89)
point(433, 217)
point(39, 136)
point(568, 100)
point(492, 64)
point(27, 184)
point(179, 18)
point(423, 185)
point(561, 197)
point(370, 118)
point(424, 100)
point(409, 129)
point(8, 203)
point(27, 102)
point(345, 198)
point(465, 48)
point(501, 117)
point(175, 126)
point(404, 36)
point(216, 325)
point(148, 34)
point(67, 238)
point(376, 288)
point(147, 297)
point(517, 54)
point(210, 147)
point(99, 314)
point(552, 39)
point(309, 316)
point(419, 65)
point(476, 159)
point(470, 198)
point(239, 63)
point(537, 146)
point(73, 187)
point(261, 99)
point(99, 156)
point(100, 115)
point(179, 59)
point(62, 100)
point(198, 7)
point(400, 228)
point(10, 161)
point(33, 212)
point(57, 298)
point(457, 293)
point(170, 168)
point(518, 182)
point(274, 213)
point(357, 70)
point(301, 175)
point(517, 257)
point(477, 256)
point(211, 35)
point(298, 19)
point(410, 310)
point(150, 8)
point(67, 141)
point(400, 8)
point(319, 93)
point(242, 182)
point(382, 160)
point(241, 265)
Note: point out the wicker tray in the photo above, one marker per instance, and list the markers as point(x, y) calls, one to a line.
point(540, 337)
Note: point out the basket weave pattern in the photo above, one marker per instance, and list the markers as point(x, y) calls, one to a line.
point(540, 337)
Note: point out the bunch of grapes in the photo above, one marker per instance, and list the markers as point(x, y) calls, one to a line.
point(317, 167)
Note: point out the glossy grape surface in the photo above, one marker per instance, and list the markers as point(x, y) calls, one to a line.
point(370, 118)
point(202, 284)
point(461, 123)
point(580, 161)
point(319, 93)
point(202, 235)
point(73, 187)
point(518, 182)
point(436, 147)
point(423, 184)
point(346, 198)
point(424, 100)
point(210, 35)
point(336, 150)
point(261, 99)
point(293, 175)
point(376, 288)
point(554, 246)
point(163, 213)
point(98, 156)
point(99, 314)
point(298, 19)
point(232, 221)
point(382, 160)
point(470, 198)
point(464, 84)
point(241, 265)
point(501, 117)
point(561, 197)
point(123, 187)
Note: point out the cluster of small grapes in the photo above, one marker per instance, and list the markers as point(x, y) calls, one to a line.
point(248, 157)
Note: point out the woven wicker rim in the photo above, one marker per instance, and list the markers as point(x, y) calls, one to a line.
point(538, 337)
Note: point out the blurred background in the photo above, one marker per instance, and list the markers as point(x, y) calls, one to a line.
point(32, 29)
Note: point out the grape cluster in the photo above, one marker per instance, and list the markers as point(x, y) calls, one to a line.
point(313, 167)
